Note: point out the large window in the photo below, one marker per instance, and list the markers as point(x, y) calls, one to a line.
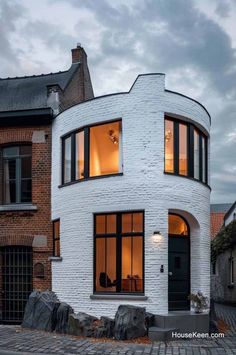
point(119, 250)
point(92, 151)
point(185, 150)
point(17, 174)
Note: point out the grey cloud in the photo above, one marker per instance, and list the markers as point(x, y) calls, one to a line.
point(149, 36)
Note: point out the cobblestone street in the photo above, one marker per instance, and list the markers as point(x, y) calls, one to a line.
point(15, 340)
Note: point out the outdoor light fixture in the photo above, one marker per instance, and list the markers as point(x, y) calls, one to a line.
point(157, 236)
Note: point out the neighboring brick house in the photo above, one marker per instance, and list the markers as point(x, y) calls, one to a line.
point(28, 106)
point(218, 211)
point(133, 203)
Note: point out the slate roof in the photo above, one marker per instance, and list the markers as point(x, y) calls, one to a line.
point(30, 92)
point(220, 207)
point(232, 207)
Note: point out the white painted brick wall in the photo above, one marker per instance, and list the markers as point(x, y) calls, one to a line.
point(143, 186)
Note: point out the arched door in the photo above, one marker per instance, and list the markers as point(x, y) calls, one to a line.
point(17, 268)
point(179, 263)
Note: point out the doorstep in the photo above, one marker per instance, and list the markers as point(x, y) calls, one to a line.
point(178, 321)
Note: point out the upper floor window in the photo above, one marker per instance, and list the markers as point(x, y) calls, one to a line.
point(92, 151)
point(185, 150)
point(17, 174)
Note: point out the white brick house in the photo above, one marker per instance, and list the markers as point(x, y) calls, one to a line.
point(145, 162)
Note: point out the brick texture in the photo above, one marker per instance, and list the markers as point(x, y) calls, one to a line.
point(143, 185)
point(21, 227)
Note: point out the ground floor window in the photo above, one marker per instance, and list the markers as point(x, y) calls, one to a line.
point(119, 252)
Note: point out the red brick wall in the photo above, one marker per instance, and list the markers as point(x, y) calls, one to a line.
point(20, 228)
point(217, 221)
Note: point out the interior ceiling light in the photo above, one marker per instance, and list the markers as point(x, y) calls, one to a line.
point(113, 137)
point(168, 135)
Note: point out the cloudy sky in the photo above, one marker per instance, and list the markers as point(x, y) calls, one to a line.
point(192, 41)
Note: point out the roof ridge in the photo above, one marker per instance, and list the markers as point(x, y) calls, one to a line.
point(39, 75)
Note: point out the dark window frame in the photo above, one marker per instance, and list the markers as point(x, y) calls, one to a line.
point(118, 235)
point(190, 150)
point(72, 134)
point(18, 179)
point(56, 238)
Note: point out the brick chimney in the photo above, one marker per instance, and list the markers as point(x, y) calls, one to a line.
point(78, 54)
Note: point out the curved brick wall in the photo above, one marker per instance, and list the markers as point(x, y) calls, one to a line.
point(142, 186)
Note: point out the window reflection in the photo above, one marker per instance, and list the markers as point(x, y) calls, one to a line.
point(169, 146)
point(67, 159)
point(204, 160)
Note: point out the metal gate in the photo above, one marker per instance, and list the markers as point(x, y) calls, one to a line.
point(17, 266)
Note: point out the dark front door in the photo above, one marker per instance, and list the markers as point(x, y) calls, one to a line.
point(16, 282)
point(179, 272)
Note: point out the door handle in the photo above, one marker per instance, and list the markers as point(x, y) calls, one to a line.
point(170, 273)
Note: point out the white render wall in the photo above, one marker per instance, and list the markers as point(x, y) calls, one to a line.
point(142, 186)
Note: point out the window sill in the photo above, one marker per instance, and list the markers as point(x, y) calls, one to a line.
point(189, 178)
point(89, 178)
point(18, 207)
point(119, 297)
point(55, 258)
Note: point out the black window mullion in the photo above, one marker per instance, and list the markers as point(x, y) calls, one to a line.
point(73, 156)
point(191, 151)
point(176, 147)
point(200, 157)
point(118, 254)
point(206, 159)
point(86, 152)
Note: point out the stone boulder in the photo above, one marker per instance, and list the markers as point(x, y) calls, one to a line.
point(62, 317)
point(40, 311)
point(104, 328)
point(129, 322)
point(149, 319)
point(82, 324)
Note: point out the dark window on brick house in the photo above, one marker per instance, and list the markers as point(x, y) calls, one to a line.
point(17, 174)
point(39, 271)
point(56, 237)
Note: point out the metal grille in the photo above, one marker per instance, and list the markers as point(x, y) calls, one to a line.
point(17, 269)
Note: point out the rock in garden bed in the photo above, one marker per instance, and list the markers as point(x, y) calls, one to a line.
point(82, 324)
point(129, 322)
point(40, 311)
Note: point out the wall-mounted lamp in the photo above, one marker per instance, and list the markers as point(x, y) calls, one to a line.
point(157, 236)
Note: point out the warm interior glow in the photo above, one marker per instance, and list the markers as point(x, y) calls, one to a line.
point(183, 162)
point(79, 155)
point(132, 222)
point(177, 225)
point(104, 149)
point(169, 146)
point(106, 264)
point(132, 267)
